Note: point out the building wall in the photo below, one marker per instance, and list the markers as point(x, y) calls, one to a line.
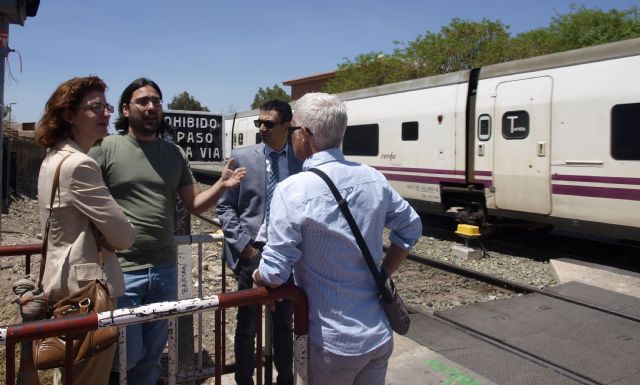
point(298, 90)
point(313, 83)
point(21, 159)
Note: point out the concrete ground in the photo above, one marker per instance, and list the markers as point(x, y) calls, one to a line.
point(414, 364)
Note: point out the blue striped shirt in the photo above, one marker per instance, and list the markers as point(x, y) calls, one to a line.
point(308, 234)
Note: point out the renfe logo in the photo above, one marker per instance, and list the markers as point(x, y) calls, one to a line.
point(390, 156)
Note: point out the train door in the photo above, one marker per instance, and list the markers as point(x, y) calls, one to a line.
point(240, 133)
point(522, 148)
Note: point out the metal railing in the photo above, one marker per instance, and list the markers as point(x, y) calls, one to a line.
point(184, 278)
point(70, 326)
point(26, 250)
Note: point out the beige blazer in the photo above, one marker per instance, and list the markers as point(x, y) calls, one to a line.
point(72, 257)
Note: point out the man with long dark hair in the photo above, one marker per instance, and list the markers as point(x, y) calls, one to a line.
point(145, 174)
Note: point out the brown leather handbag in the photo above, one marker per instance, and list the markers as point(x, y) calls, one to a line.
point(94, 297)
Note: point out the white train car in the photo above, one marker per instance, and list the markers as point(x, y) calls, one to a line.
point(577, 162)
point(239, 131)
point(552, 139)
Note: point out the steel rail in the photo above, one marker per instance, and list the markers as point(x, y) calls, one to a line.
point(516, 351)
point(513, 286)
point(213, 221)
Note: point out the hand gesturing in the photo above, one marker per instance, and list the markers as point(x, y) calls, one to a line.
point(231, 178)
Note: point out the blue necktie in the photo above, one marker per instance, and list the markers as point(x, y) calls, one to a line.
point(272, 181)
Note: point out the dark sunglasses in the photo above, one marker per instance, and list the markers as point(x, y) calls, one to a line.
point(267, 123)
point(293, 128)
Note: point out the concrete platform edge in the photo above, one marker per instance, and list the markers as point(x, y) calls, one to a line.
point(604, 277)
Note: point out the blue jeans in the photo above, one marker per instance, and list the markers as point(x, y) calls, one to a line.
point(145, 342)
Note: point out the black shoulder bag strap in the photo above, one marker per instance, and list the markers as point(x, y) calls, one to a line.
point(344, 207)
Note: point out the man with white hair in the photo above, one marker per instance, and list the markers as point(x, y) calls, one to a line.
point(350, 340)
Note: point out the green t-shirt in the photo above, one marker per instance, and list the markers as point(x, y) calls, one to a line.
point(144, 178)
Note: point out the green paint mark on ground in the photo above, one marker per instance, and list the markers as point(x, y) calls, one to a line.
point(453, 375)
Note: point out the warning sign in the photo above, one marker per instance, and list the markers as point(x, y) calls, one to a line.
point(198, 133)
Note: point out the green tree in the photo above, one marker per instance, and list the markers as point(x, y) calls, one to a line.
point(460, 45)
point(368, 70)
point(580, 27)
point(464, 44)
point(264, 95)
point(583, 27)
point(6, 116)
point(537, 42)
point(186, 102)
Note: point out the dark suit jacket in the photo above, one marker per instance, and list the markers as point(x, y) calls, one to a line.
point(241, 210)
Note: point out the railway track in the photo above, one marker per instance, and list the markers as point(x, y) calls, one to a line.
point(507, 284)
point(543, 243)
point(514, 350)
point(500, 283)
point(465, 279)
point(541, 358)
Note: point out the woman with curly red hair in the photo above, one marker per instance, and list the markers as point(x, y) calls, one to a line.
point(75, 118)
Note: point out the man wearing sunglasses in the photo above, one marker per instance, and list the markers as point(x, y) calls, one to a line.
point(145, 174)
point(242, 212)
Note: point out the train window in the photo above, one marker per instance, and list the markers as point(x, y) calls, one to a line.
point(240, 139)
point(258, 138)
point(515, 124)
point(484, 127)
point(361, 140)
point(625, 136)
point(409, 130)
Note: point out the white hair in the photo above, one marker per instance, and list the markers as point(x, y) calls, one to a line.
point(325, 116)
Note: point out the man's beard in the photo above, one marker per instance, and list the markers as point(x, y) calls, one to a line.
point(139, 126)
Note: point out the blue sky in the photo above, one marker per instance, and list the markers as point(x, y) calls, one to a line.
point(223, 51)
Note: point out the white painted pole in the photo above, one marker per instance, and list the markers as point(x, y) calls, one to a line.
point(301, 360)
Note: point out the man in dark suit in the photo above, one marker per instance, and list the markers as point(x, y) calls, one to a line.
point(242, 212)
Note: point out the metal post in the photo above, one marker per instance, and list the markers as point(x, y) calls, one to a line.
point(184, 332)
point(172, 363)
point(122, 355)
point(268, 347)
point(4, 52)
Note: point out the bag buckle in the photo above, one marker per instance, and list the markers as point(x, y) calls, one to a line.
point(84, 305)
